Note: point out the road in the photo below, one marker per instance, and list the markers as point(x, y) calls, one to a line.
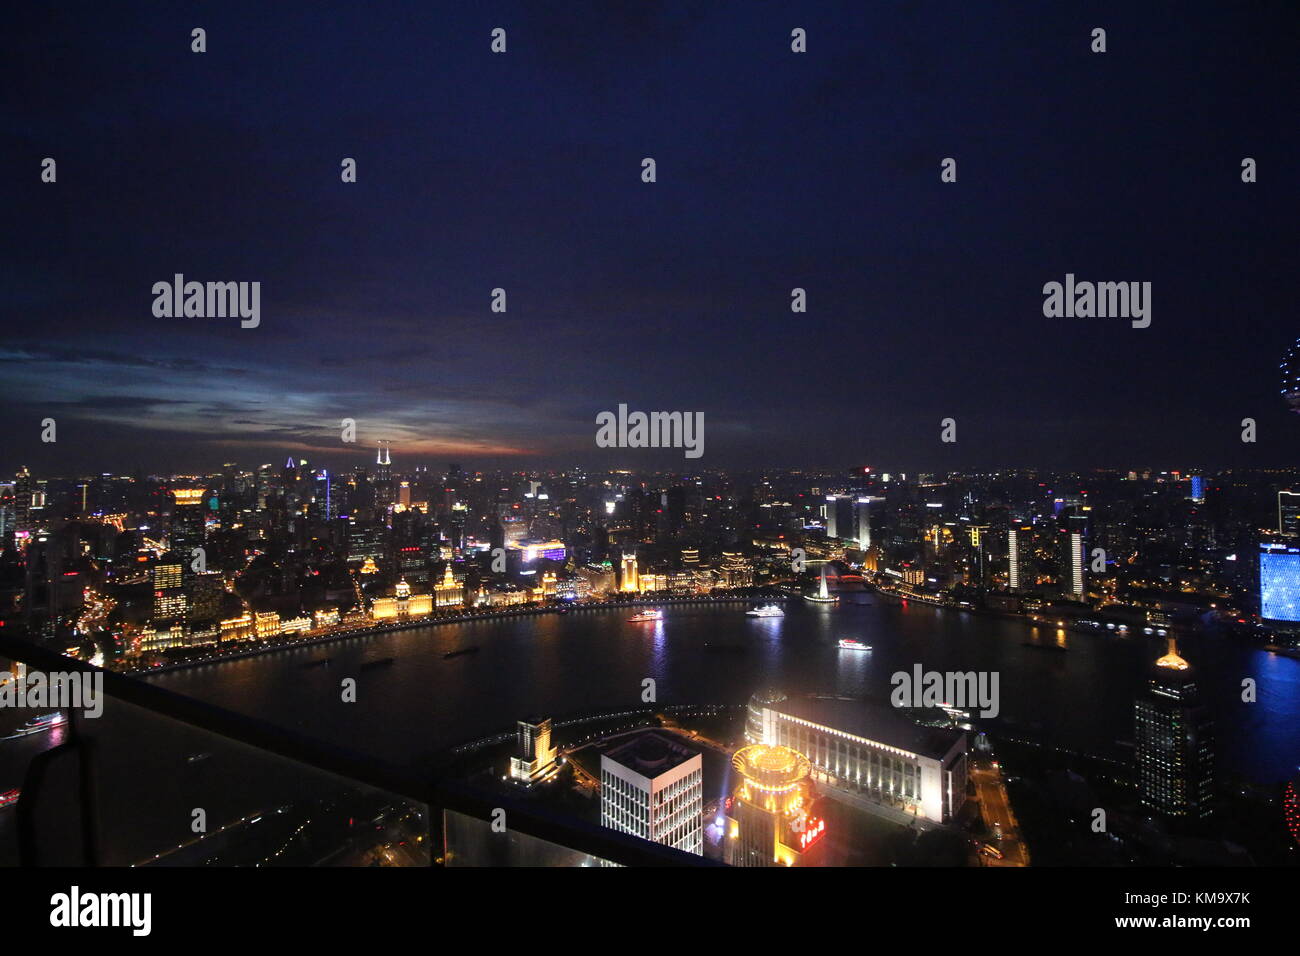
point(996, 809)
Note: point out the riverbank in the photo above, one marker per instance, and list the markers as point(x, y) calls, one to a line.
point(389, 627)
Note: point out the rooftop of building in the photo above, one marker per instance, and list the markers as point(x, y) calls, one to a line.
point(872, 720)
point(651, 753)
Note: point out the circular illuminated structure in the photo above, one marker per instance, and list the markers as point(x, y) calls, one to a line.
point(770, 819)
point(771, 771)
point(1290, 371)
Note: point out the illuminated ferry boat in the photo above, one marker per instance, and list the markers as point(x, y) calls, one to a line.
point(849, 644)
point(767, 610)
point(40, 724)
point(653, 614)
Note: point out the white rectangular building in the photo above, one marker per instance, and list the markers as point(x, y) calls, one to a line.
point(652, 786)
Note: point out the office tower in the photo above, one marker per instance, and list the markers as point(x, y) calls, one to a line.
point(1070, 573)
point(325, 503)
point(1175, 742)
point(1288, 513)
point(1279, 582)
point(203, 596)
point(169, 599)
point(188, 522)
point(1020, 551)
point(979, 554)
point(652, 786)
point(534, 760)
point(839, 517)
point(23, 500)
point(631, 581)
point(862, 513)
point(1198, 489)
point(383, 481)
point(771, 821)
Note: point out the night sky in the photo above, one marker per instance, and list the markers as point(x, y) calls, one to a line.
point(523, 171)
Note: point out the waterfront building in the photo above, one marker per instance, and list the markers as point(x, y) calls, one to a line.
point(870, 753)
point(534, 759)
point(1279, 583)
point(1174, 741)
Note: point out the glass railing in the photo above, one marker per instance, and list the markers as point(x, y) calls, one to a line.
point(161, 779)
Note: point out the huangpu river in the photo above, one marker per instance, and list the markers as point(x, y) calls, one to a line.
point(590, 660)
point(154, 773)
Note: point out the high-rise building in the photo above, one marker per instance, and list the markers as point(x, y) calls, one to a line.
point(839, 517)
point(23, 500)
point(169, 599)
point(1288, 513)
point(770, 819)
point(534, 759)
point(652, 786)
point(1174, 742)
point(1198, 489)
point(1072, 564)
point(1020, 551)
point(188, 522)
point(630, 580)
point(1279, 582)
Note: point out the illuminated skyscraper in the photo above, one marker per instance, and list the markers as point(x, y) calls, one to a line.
point(1279, 582)
point(23, 500)
point(862, 511)
point(188, 522)
point(535, 757)
point(169, 599)
point(1020, 550)
point(1288, 513)
point(1175, 742)
point(631, 581)
point(839, 517)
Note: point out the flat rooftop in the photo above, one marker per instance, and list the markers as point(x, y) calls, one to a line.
point(872, 720)
point(650, 753)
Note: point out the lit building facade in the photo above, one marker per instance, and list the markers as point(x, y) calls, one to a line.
point(449, 592)
point(1288, 513)
point(770, 817)
point(535, 757)
point(870, 752)
point(1174, 739)
point(652, 786)
point(1279, 582)
point(402, 604)
point(631, 582)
